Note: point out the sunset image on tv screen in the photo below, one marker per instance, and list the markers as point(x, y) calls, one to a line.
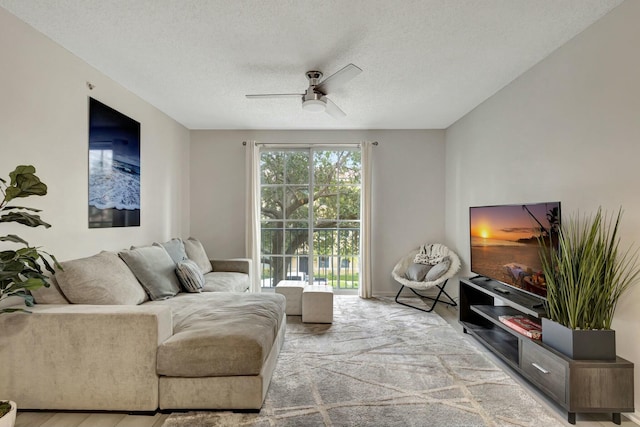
point(505, 242)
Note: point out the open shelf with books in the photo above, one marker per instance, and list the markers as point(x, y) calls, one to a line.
point(480, 311)
point(576, 385)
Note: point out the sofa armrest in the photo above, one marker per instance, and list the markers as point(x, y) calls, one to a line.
point(236, 265)
point(83, 357)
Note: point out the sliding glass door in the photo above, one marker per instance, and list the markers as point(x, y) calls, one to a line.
point(310, 216)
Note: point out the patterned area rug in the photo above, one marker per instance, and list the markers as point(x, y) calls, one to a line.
point(382, 364)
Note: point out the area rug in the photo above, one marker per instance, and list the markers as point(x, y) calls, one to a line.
point(382, 364)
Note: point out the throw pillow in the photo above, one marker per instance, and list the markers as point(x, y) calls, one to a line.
point(195, 252)
point(417, 272)
point(101, 279)
point(438, 270)
point(190, 276)
point(154, 269)
point(175, 249)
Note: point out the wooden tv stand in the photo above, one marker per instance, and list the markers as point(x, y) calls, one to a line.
point(576, 385)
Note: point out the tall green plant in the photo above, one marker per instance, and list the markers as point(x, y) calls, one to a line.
point(21, 269)
point(586, 274)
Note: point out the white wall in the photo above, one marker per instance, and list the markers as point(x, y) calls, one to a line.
point(44, 122)
point(408, 190)
point(568, 130)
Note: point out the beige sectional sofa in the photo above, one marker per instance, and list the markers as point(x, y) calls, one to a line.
point(213, 349)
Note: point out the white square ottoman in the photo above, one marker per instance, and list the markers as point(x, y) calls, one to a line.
point(292, 291)
point(317, 304)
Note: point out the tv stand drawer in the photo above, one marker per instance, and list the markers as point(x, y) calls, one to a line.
point(545, 369)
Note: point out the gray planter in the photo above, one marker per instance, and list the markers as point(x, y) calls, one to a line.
point(579, 344)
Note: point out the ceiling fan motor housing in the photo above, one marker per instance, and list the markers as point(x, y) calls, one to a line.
point(314, 77)
point(312, 100)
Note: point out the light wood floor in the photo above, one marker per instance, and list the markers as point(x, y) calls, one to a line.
point(86, 419)
point(450, 314)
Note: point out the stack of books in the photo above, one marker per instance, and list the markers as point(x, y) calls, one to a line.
point(523, 325)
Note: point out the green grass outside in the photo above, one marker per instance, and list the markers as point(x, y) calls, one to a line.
point(347, 281)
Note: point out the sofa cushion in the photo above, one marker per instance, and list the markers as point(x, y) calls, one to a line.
point(190, 276)
point(51, 294)
point(220, 333)
point(175, 249)
point(155, 270)
point(225, 281)
point(195, 252)
point(11, 301)
point(99, 279)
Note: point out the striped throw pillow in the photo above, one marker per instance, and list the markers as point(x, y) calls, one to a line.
point(190, 276)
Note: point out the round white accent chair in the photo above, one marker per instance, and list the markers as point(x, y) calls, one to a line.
point(400, 270)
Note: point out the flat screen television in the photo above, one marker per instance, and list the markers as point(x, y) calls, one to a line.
point(504, 243)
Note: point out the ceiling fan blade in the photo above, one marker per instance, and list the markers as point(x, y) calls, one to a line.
point(338, 78)
point(332, 109)
point(275, 95)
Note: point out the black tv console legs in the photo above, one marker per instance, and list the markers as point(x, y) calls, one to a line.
point(616, 418)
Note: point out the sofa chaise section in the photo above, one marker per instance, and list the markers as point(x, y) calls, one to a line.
point(222, 352)
point(228, 392)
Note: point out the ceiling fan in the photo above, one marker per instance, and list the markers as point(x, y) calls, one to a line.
point(315, 97)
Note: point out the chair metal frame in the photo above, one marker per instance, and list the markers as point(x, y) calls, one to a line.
point(435, 300)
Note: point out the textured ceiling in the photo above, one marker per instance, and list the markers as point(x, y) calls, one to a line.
point(426, 63)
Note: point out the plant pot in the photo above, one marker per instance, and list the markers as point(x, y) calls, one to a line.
point(9, 419)
point(579, 344)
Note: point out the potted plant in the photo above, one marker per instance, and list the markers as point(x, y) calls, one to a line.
point(7, 413)
point(586, 274)
point(21, 270)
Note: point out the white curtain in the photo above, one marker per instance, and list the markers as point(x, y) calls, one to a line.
point(365, 288)
point(252, 229)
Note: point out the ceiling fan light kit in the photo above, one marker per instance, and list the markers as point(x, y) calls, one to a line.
point(314, 99)
point(314, 105)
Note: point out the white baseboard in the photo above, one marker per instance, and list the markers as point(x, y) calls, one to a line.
point(385, 294)
point(633, 416)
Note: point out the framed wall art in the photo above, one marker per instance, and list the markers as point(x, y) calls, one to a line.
point(114, 168)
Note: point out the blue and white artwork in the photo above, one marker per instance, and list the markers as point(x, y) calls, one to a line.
point(114, 168)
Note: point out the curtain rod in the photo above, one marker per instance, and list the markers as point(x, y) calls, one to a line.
point(318, 143)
